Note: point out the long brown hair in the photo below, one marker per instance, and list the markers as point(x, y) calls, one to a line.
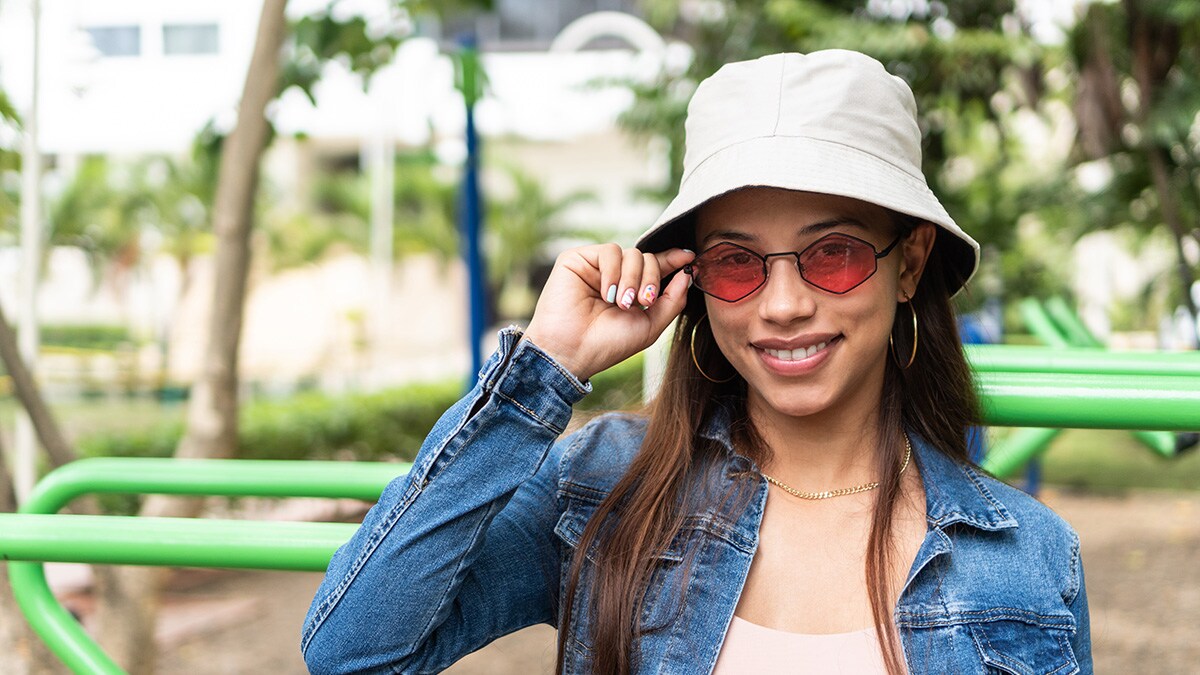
point(934, 398)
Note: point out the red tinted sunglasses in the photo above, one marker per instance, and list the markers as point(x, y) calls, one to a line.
point(836, 263)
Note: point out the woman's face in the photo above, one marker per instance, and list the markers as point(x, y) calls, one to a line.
point(843, 338)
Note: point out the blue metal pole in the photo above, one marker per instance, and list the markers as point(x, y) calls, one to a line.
point(472, 213)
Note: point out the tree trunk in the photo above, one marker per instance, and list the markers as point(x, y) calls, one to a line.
point(1155, 50)
point(48, 433)
point(126, 622)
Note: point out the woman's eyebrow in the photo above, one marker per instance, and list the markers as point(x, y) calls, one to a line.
point(729, 235)
point(832, 223)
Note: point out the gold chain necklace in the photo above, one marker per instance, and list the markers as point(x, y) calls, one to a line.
point(865, 487)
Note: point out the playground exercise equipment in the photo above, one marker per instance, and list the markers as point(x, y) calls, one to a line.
point(1023, 387)
point(1073, 349)
point(33, 536)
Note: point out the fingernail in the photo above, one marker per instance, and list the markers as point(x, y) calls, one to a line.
point(627, 298)
point(612, 294)
point(648, 295)
point(688, 250)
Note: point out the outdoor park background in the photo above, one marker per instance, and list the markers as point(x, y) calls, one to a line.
point(1065, 136)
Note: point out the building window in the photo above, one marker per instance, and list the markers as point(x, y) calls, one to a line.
point(116, 40)
point(190, 38)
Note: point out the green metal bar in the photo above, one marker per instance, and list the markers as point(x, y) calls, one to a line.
point(1069, 322)
point(1038, 321)
point(246, 478)
point(1062, 400)
point(1017, 450)
point(220, 477)
point(1072, 360)
point(178, 542)
point(1161, 442)
point(54, 624)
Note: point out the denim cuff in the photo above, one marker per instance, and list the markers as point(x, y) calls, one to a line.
point(521, 373)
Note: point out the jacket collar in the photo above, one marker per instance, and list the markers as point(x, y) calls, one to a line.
point(957, 493)
point(954, 492)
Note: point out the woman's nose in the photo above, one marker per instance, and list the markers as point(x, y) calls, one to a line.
point(785, 297)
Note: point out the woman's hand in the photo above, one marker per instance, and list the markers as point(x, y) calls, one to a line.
point(590, 315)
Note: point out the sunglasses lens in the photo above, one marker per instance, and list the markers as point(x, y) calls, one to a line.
point(728, 272)
point(837, 263)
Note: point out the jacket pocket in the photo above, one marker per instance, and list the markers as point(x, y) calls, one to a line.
point(665, 595)
point(1022, 648)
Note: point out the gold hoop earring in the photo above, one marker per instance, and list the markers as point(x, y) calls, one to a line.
point(692, 342)
point(892, 344)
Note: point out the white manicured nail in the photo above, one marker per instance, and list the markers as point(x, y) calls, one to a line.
point(612, 294)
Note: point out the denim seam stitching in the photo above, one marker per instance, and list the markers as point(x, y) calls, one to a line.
point(997, 655)
point(987, 616)
point(571, 379)
point(415, 487)
point(1073, 589)
point(326, 606)
point(529, 412)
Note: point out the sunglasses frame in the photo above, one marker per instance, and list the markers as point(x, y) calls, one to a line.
point(764, 259)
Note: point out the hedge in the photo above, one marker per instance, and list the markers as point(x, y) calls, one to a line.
point(383, 426)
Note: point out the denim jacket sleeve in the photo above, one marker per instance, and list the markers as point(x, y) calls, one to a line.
point(462, 549)
point(1081, 641)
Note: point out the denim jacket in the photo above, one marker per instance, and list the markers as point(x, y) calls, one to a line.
point(476, 541)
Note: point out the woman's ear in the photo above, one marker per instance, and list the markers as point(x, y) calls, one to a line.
point(914, 254)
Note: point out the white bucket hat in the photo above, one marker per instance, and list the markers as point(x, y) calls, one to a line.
point(834, 122)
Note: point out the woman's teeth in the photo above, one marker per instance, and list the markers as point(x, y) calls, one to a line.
point(795, 354)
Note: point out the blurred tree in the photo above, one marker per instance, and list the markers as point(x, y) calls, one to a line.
point(10, 167)
point(424, 212)
point(519, 229)
point(126, 615)
point(99, 212)
point(1137, 109)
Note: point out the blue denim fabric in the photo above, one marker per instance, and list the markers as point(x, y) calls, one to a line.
point(476, 541)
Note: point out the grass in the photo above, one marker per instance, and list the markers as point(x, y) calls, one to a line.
point(1108, 461)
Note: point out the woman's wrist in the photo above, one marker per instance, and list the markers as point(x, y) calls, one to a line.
point(565, 357)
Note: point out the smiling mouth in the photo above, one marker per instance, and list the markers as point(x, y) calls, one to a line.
point(797, 354)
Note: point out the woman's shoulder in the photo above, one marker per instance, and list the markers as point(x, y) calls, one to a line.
point(595, 456)
point(1034, 518)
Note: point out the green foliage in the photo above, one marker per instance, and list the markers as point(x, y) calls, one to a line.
point(8, 112)
point(424, 207)
point(321, 37)
point(100, 212)
point(388, 425)
point(518, 229)
point(85, 336)
point(1136, 104)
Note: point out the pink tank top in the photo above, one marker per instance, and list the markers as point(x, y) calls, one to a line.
point(750, 648)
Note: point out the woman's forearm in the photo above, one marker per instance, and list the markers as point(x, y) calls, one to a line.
point(422, 581)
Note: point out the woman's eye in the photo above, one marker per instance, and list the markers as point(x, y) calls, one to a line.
point(833, 250)
point(737, 259)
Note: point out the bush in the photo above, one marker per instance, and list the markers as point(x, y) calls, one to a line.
point(85, 336)
point(388, 425)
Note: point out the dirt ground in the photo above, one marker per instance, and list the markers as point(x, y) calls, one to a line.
point(1141, 555)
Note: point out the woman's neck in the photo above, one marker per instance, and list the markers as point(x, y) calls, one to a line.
point(830, 450)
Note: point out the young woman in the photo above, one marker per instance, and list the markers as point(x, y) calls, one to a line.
point(797, 496)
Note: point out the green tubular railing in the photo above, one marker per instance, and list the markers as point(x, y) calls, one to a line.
point(1072, 350)
point(34, 536)
point(1081, 361)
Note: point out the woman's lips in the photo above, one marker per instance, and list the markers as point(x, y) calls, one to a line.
point(797, 361)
